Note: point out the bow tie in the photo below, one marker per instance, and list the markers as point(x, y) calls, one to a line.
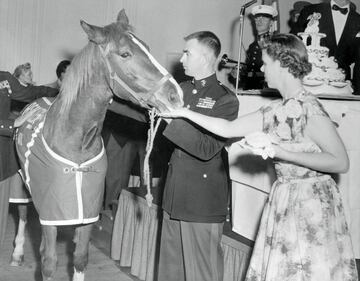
point(341, 10)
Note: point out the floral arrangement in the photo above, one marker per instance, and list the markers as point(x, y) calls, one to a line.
point(287, 116)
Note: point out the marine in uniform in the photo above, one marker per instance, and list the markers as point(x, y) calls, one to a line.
point(11, 89)
point(196, 188)
point(264, 18)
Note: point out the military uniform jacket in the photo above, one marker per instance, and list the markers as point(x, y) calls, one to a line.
point(197, 183)
point(255, 77)
point(10, 88)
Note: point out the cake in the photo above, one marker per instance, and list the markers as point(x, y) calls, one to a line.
point(325, 77)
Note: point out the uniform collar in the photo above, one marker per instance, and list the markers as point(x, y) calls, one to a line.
point(263, 37)
point(206, 82)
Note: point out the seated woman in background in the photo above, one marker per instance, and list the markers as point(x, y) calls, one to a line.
point(303, 234)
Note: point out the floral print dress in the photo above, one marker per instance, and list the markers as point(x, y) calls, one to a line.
point(303, 234)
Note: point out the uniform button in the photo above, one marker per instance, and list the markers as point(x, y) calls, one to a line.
point(188, 106)
point(2, 126)
point(204, 176)
point(10, 127)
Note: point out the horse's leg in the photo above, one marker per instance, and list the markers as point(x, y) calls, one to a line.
point(48, 251)
point(81, 254)
point(17, 257)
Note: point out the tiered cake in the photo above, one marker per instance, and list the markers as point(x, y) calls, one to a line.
point(326, 77)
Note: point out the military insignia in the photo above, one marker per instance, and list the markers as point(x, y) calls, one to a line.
point(203, 82)
point(5, 85)
point(206, 103)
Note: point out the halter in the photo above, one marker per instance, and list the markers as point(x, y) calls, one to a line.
point(135, 95)
point(152, 93)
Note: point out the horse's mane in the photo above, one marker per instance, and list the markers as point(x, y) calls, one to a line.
point(77, 75)
point(83, 66)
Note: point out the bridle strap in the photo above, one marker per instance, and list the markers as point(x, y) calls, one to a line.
point(159, 84)
point(135, 95)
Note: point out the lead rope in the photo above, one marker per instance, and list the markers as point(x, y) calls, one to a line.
point(149, 146)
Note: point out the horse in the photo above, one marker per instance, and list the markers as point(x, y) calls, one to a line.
point(60, 148)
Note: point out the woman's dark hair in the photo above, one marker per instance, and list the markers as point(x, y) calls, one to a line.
point(62, 67)
point(291, 52)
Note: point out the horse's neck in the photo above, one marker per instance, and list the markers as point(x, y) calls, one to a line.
point(75, 135)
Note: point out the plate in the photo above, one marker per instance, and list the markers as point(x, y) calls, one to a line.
point(309, 82)
point(338, 84)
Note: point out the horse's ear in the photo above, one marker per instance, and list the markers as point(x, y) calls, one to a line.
point(122, 17)
point(94, 33)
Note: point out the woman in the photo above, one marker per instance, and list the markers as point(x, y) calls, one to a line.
point(24, 74)
point(303, 234)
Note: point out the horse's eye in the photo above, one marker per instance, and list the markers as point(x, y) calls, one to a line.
point(125, 55)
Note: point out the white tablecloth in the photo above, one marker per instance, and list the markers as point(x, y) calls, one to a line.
point(135, 241)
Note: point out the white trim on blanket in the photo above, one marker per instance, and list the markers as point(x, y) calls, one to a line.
point(20, 200)
point(69, 222)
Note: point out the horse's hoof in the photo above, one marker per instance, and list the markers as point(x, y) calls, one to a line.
point(17, 261)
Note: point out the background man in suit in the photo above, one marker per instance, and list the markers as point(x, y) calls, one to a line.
point(341, 24)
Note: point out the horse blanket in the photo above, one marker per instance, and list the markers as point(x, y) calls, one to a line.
point(18, 191)
point(63, 192)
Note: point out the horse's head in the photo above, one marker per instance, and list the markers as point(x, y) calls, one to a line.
point(134, 74)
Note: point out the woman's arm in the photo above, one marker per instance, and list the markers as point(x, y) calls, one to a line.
point(332, 158)
point(240, 127)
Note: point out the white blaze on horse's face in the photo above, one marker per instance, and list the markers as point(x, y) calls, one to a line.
point(160, 92)
point(137, 72)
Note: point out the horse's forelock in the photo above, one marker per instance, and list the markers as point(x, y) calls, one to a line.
point(116, 30)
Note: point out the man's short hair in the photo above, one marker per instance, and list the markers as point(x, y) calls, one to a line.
point(62, 67)
point(208, 39)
